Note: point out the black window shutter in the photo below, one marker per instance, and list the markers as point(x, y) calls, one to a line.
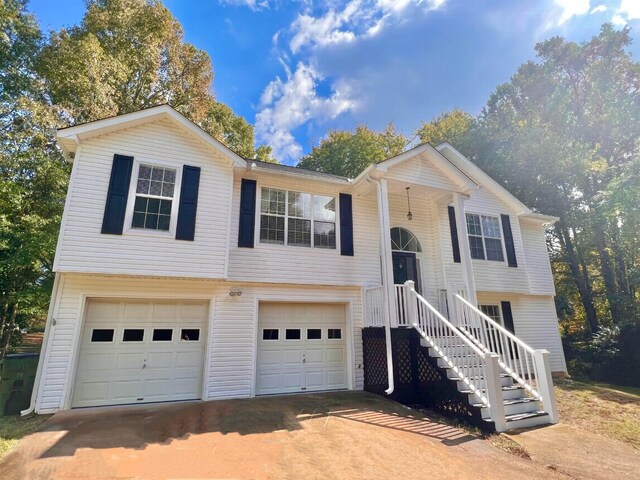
point(507, 316)
point(186, 226)
point(346, 225)
point(508, 241)
point(455, 244)
point(247, 213)
point(116, 206)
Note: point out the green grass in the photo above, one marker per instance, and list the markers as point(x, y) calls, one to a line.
point(14, 427)
point(608, 410)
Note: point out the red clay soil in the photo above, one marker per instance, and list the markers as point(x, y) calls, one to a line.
point(346, 435)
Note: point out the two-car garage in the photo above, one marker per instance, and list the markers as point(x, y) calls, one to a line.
point(139, 351)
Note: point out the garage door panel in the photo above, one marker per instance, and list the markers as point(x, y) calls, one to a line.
point(188, 359)
point(172, 369)
point(161, 360)
point(129, 361)
point(92, 391)
point(336, 378)
point(285, 366)
point(335, 355)
point(292, 357)
point(126, 391)
point(314, 356)
point(97, 362)
point(314, 380)
point(292, 380)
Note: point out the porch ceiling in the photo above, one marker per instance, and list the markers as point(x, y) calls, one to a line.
point(398, 188)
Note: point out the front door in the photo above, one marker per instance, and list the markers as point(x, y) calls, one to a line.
point(405, 268)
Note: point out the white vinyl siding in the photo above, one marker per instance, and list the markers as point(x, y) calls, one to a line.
point(316, 266)
point(232, 327)
point(537, 257)
point(489, 276)
point(83, 248)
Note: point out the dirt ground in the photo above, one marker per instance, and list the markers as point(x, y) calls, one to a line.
point(349, 435)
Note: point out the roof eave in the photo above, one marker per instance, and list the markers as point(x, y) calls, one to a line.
point(128, 120)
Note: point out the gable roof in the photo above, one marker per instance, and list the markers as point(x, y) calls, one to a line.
point(440, 161)
point(70, 137)
point(481, 178)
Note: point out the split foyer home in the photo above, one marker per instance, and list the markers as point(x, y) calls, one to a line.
point(185, 272)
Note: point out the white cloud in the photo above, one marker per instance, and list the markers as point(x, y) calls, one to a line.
point(628, 11)
point(347, 22)
point(599, 8)
point(252, 4)
point(572, 8)
point(286, 105)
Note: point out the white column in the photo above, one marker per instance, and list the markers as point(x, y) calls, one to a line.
point(465, 251)
point(385, 251)
point(387, 276)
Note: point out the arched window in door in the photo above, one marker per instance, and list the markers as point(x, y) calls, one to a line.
point(402, 240)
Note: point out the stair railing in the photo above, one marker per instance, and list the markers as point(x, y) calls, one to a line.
point(476, 368)
point(528, 367)
point(374, 306)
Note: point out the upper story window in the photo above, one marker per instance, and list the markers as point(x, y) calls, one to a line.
point(155, 192)
point(296, 218)
point(485, 238)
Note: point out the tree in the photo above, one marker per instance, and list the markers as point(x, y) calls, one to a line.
point(454, 127)
point(349, 153)
point(33, 176)
point(563, 135)
point(124, 56)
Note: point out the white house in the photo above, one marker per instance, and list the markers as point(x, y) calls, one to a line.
point(184, 271)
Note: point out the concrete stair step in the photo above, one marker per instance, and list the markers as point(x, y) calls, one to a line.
point(527, 420)
point(516, 406)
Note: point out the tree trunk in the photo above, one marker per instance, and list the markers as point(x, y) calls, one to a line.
point(584, 287)
point(622, 275)
point(8, 330)
point(608, 273)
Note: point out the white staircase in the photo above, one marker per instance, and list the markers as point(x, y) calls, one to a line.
point(502, 376)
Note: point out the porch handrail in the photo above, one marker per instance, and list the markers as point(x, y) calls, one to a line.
point(446, 339)
point(528, 367)
point(374, 306)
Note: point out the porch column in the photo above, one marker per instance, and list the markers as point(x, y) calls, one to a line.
point(465, 252)
point(385, 253)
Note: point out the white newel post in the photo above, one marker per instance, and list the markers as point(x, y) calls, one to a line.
point(494, 391)
point(545, 384)
point(411, 302)
point(465, 251)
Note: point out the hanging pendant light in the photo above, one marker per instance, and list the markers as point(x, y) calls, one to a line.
point(409, 214)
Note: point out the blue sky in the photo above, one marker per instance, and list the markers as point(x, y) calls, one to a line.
point(296, 69)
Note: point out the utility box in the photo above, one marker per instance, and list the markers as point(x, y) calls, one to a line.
point(17, 376)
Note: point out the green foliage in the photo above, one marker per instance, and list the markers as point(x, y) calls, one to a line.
point(349, 153)
point(454, 127)
point(125, 55)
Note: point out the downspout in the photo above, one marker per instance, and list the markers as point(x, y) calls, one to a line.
point(384, 230)
point(45, 341)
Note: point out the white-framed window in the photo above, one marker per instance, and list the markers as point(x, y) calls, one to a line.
point(493, 312)
point(297, 218)
point(154, 198)
point(485, 237)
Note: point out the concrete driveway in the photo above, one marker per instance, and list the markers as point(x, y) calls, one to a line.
point(348, 435)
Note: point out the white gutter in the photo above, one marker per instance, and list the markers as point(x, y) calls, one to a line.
point(43, 350)
point(385, 276)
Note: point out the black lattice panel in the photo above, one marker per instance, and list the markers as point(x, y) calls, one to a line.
point(418, 378)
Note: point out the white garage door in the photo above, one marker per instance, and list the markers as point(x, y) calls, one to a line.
point(137, 351)
point(301, 348)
